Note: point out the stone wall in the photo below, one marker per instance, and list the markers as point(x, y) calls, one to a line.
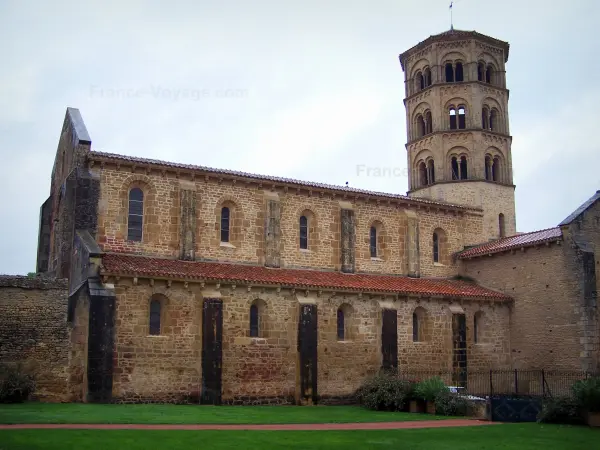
point(250, 207)
point(264, 368)
point(34, 331)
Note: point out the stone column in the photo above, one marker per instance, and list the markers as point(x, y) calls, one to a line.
point(347, 237)
point(187, 225)
point(413, 264)
point(272, 230)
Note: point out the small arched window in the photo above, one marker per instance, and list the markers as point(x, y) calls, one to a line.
point(463, 168)
point(428, 122)
point(420, 126)
point(341, 329)
point(449, 73)
point(501, 229)
point(422, 174)
point(436, 248)
point(488, 74)
point(225, 224)
point(485, 123)
point(304, 232)
point(462, 121)
point(494, 120)
point(155, 307)
point(480, 71)
point(453, 120)
point(430, 172)
point(420, 81)
point(373, 242)
point(496, 169)
point(415, 327)
point(254, 330)
point(427, 76)
point(459, 72)
point(488, 168)
point(455, 168)
point(135, 218)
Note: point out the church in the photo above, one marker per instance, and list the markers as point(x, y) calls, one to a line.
point(180, 283)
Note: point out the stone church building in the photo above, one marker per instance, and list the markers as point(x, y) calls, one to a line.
point(161, 281)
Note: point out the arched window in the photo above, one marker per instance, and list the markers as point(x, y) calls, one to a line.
point(488, 168)
point(428, 122)
point(422, 174)
point(496, 169)
point(430, 172)
point(501, 228)
point(462, 121)
point(415, 327)
point(225, 224)
point(485, 123)
point(427, 76)
point(453, 121)
point(341, 329)
point(254, 330)
point(459, 72)
point(135, 218)
point(420, 126)
point(494, 120)
point(420, 81)
point(463, 168)
point(436, 248)
point(488, 74)
point(373, 242)
point(304, 232)
point(449, 73)
point(455, 168)
point(480, 71)
point(155, 307)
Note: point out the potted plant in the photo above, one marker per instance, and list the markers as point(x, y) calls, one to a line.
point(428, 390)
point(587, 395)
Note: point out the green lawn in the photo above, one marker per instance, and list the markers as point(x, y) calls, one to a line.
point(194, 414)
point(514, 436)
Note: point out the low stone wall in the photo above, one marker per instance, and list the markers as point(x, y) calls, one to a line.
point(34, 331)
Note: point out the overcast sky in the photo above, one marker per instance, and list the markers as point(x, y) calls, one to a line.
point(309, 89)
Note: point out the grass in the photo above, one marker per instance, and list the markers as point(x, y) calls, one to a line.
point(36, 413)
point(504, 437)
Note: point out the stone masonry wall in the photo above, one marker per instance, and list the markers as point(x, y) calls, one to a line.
point(264, 368)
point(34, 332)
point(162, 230)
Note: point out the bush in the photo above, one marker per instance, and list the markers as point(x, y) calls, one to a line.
point(15, 385)
point(563, 410)
point(385, 392)
point(450, 404)
point(429, 389)
point(587, 394)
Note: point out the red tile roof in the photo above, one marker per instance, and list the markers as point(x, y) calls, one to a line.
point(512, 242)
point(122, 264)
point(102, 156)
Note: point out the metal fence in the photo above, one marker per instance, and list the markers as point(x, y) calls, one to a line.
point(518, 383)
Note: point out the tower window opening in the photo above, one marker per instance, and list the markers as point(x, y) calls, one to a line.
point(485, 122)
point(422, 174)
point(427, 77)
point(463, 168)
point(428, 122)
point(488, 74)
point(430, 172)
point(421, 81)
point(421, 126)
point(488, 168)
point(461, 118)
point(494, 120)
point(496, 169)
point(459, 72)
point(480, 72)
point(453, 121)
point(455, 170)
point(449, 73)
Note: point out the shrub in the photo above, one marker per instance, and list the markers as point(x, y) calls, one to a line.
point(384, 392)
point(450, 404)
point(563, 410)
point(430, 388)
point(15, 385)
point(587, 394)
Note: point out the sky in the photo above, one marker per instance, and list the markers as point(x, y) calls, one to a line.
point(310, 90)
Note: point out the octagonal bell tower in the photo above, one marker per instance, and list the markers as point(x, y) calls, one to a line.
point(459, 141)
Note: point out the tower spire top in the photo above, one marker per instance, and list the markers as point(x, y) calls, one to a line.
point(451, 23)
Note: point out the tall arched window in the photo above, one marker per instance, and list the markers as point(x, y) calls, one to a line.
point(485, 123)
point(135, 218)
point(449, 73)
point(459, 72)
point(436, 247)
point(488, 74)
point(427, 76)
point(453, 120)
point(341, 329)
point(501, 228)
point(494, 120)
point(225, 224)
point(422, 174)
point(488, 168)
point(304, 232)
point(428, 122)
point(254, 330)
point(462, 121)
point(463, 168)
point(480, 71)
point(430, 172)
point(455, 168)
point(420, 81)
point(496, 169)
point(420, 126)
point(415, 327)
point(155, 307)
point(373, 242)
